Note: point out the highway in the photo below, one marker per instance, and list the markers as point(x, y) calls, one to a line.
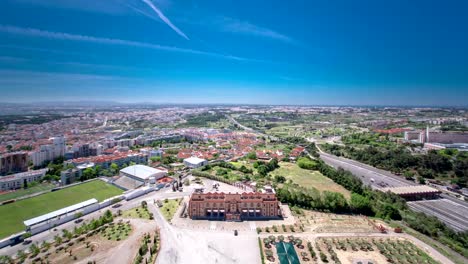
point(453, 214)
point(451, 211)
point(369, 175)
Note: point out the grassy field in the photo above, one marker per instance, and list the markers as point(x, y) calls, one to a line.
point(307, 178)
point(137, 212)
point(13, 215)
point(117, 232)
point(169, 208)
point(23, 192)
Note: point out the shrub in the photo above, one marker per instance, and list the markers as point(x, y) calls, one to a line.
point(323, 257)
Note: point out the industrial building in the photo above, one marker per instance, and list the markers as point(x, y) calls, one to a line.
point(427, 136)
point(135, 176)
point(234, 206)
point(194, 162)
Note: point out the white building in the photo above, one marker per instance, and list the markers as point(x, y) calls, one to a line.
point(194, 162)
point(142, 173)
point(16, 181)
point(48, 152)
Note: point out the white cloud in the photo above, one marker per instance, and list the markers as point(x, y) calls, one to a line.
point(32, 32)
point(165, 19)
point(244, 27)
point(99, 6)
point(19, 77)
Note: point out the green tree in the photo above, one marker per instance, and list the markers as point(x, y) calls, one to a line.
point(360, 204)
point(262, 170)
point(114, 168)
point(155, 159)
point(306, 163)
point(334, 201)
point(88, 173)
point(280, 179)
point(251, 155)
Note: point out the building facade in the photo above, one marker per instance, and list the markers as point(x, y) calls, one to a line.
point(234, 206)
point(16, 181)
point(194, 162)
point(49, 152)
point(70, 176)
point(13, 163)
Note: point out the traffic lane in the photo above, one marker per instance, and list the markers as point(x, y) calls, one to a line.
point(449, 212)
point(369, 175)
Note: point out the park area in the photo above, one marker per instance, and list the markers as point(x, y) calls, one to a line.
point(169, 207)
point(13, 214)
point(307, 178)
point(103, 240)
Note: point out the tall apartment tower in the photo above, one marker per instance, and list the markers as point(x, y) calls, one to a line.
point(58, 146)
point(427, 134)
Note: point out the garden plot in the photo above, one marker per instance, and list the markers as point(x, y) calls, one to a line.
point(370, 251)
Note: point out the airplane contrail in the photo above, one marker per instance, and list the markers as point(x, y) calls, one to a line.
point(165, 19)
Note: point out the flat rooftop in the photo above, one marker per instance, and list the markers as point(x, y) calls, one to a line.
point(21, 175)
point(141, 171)
point(418, 189)
point(51, 215)
point(194, 160)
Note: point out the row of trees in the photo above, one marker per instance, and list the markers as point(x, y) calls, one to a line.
point(390, 206)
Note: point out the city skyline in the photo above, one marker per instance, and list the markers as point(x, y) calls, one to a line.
point(231, 52)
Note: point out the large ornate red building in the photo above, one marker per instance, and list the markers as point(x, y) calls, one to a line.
point(234, 206)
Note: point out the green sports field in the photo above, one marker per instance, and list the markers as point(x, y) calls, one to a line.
point(23, 192)
point(12, 215)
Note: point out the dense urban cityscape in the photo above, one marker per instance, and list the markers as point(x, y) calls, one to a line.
point(258, 171)
point(233, 132)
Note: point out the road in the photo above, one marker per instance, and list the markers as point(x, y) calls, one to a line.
point(369, 175)
point(449, 210)
point(248, 129)
point(453, 213)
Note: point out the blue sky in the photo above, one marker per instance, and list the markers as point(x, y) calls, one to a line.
point(257, 52)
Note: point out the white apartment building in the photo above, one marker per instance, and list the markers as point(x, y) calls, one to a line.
point(48, 152)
